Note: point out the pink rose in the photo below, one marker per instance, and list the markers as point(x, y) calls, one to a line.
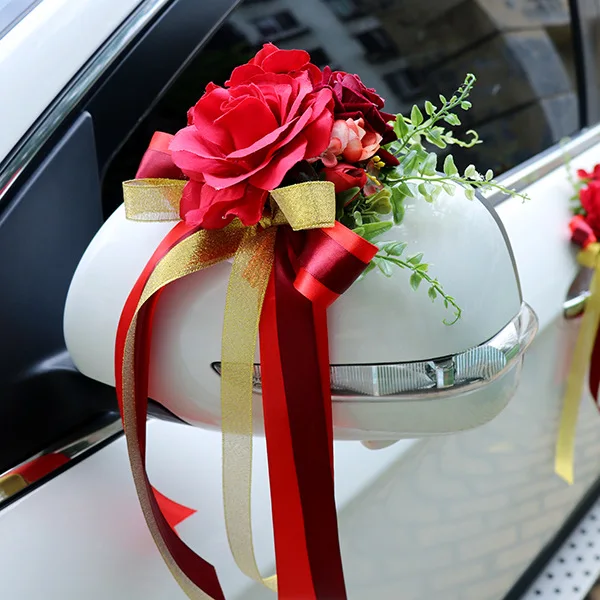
point(242, 141)
point(351, 141)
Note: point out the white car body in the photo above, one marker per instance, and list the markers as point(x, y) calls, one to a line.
point(458, 517)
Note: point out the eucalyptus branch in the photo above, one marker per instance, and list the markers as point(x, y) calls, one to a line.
point(435, 289)
point(481, 184)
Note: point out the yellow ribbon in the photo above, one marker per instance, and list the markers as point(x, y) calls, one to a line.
point(198, 251)
point(152, 199)
point(565, 444)
point(304, 206)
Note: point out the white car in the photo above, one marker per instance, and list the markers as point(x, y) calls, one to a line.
point(479, 515)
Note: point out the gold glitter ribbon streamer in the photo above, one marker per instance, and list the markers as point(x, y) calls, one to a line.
point(199, 251)
point(245, 294)
point(307, 205)
point(565, 443)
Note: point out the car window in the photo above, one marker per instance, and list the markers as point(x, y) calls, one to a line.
point(12, 11)
point(521, 51)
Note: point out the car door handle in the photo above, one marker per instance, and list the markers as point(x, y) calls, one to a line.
point(578, 293)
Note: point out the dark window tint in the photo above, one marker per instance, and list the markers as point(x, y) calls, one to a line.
point(346, 9)
point(378, 44)
point(409, 50)
point(320, 57)
point(277, 26)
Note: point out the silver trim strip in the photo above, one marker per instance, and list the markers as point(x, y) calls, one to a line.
point(547, 161)
point(71, 448)
point(41, 131)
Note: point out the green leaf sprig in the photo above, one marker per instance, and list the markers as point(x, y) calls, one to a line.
point(417, 175)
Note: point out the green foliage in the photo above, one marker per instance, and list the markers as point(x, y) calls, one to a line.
point(391, 253)
point(417, 176)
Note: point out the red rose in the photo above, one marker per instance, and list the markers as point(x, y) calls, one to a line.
point(594, 174)
point(242, 141)
point(353, 100)
point(345, 176)
point(270, 59)
point(581, 232)
point(590, 201)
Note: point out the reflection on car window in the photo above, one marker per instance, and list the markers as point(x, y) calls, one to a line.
point(410, 50)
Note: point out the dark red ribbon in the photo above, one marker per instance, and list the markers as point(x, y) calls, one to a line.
point(594, 377)
point(297, 406)
point(311, 269)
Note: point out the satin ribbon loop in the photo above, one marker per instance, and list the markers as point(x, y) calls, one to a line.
point(308, 205)
point(565, 443)
point(331, 262)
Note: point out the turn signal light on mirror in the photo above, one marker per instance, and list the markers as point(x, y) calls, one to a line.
point(466, 370)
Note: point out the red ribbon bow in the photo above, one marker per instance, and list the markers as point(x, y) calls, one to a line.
point(311, 269)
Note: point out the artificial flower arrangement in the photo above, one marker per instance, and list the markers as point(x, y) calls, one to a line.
point(281, 120)
point(292, 173)
point(584, 228)
point(585, 206)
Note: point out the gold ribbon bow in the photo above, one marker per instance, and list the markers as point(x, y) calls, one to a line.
point(308, 205)
point(565, 444)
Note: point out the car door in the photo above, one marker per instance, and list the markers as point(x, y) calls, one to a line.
point(459, 517)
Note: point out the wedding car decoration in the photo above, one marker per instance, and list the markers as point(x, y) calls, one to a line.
point(291, 183)
point(585, 232)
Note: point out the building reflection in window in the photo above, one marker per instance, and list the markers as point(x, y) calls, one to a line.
point(409, 50)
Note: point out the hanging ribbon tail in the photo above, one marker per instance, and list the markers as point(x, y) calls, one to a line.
point(310, 272)
point(586, 355)
point(284, 276)
point(594, 378)
point(173, 512)
point(183, 251)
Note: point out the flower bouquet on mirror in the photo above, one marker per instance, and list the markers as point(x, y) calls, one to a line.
point(291, 184)
point(583, 299)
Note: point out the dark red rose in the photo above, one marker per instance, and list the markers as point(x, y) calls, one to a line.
point(388, 158)
point(581, 233)
point(345, 176)
point(270, 59)
point(242, 141)
point(354, 100)
point(590, 202)
point(594, 174)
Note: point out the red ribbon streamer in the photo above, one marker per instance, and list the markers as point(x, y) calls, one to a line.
point(594, 377)
point(311, 269)
point(200, 572)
